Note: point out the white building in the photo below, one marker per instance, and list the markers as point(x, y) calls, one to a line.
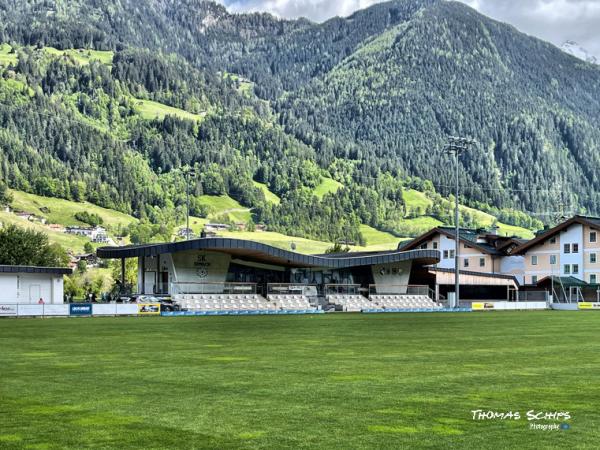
point(26, 284)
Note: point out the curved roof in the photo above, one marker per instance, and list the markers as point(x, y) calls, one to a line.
point(265, 253)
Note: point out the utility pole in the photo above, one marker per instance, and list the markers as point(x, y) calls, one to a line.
point(457, 146)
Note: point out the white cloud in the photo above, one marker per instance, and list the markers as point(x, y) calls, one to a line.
point(553, 20)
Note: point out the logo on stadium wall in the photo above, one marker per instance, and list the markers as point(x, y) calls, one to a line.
point(201, 265)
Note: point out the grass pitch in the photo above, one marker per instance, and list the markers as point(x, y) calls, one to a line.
point(329, 381)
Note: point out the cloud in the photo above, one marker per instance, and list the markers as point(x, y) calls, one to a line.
point(553, 20)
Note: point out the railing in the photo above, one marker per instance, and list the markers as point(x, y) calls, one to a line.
point(399, 289)
point(532, 296)
point(188, 287)
point(292, 289)
point(345, 289)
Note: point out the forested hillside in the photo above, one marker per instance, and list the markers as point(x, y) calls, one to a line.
point(108, 101)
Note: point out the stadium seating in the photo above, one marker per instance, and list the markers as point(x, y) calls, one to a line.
point(223, 302)
point(290, 301)
point(404, 301)
point(351, 302)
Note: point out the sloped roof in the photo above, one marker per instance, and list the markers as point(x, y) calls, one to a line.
point(467, 236)
point(593, 222)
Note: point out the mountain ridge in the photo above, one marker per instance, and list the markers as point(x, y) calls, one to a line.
point(367, 100)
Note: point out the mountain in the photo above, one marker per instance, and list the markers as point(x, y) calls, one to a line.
point(576, 50)
point(106, 101)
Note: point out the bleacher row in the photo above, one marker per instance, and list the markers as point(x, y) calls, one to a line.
point(377, 301)
point(291, 302)
point(234, 302)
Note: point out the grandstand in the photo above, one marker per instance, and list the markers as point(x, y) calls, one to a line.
point(220, 274)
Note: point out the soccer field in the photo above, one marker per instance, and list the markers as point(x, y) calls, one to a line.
point(322, 381)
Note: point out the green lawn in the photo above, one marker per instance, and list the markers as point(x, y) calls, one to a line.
point(330, 381)
point(327, 185)
point(150, 110)
point(63, 211)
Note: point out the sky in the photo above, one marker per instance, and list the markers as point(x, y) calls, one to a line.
point(555, 21)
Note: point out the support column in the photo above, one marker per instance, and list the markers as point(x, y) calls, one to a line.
point(157, 275)
point(143, 290)
point(122, 271)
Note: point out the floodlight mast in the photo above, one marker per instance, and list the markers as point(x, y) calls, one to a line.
point(187, 172)
point(457, 146)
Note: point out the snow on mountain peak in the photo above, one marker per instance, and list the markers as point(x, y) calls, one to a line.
point(576, 50)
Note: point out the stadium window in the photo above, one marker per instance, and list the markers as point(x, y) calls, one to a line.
point(593, 236)
point(575, 269)
point(567, 248)
point(552, 260)
point(481, 262)
point(466, 262)
point(534, 279)
point(534, 260)
point(593, 279)
point(567, 269)
point(593, 258)
point(575, 248)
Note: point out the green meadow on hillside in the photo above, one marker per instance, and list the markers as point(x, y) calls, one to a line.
point(269, 196)
point(151, 110)
point(83, 56)
point(67, 241)
point(62, 212)
point(327, 186)
point(7, 58)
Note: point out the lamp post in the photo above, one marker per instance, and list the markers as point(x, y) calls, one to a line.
point(187, 172)
point(457, 146)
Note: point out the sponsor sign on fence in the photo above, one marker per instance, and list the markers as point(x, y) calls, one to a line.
point(8, 310)
point(147, 309)
point(482, 306)
point(588, 305)
point(55, 310)
point(80, 309)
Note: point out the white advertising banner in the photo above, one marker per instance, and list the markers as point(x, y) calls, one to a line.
point(127, 308)
point(56, 310)
point(109, 309)
point(31, 310)
point(8, 310)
